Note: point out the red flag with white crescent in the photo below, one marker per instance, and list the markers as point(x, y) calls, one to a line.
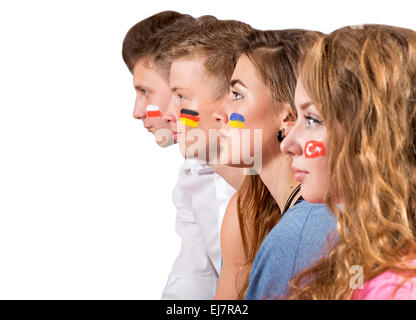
point(314, 149)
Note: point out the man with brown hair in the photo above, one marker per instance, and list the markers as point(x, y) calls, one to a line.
point(141, 53)
point(202, 63)
point(200, 194)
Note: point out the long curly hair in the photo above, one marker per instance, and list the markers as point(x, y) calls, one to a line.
point(363, 80)
point(275, 55)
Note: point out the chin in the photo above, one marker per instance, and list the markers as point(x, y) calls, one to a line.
point(311, 195)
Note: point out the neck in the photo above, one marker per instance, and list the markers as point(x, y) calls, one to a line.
point(277, 176)
point(233, 176)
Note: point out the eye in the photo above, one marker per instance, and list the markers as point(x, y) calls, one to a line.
point(180, 97)
point(312, 122)
point(236, 95)
point(142, 91)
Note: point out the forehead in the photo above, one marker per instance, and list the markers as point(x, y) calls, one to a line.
point(244, 66)
point(185, 72)
point(246, 72)
point(145, 71)
point(301, 96)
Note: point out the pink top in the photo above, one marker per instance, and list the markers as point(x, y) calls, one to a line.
point(383, 287)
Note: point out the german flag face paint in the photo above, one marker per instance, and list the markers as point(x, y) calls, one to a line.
point(153, 111)
point(189, 118)
point(237, 120)
point(314, 149)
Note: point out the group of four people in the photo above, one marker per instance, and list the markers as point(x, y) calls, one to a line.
point(300, 155)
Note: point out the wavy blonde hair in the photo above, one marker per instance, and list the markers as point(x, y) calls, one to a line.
point(363, 80)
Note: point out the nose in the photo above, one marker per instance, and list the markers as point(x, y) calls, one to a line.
point(170, 115)
point(221, 117)
point(221, 114)
point(290, 145)
point(139, 111)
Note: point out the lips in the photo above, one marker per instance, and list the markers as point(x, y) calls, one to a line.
point(299, 174)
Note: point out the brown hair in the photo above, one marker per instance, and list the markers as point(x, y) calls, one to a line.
point(275, 55)
point(142, 40)
point(364, 83)
point(215, 41)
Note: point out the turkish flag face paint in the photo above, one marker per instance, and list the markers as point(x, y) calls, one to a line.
point(314, 149)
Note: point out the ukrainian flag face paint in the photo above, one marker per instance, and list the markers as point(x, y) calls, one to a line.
point(153, 111)
point(237, 120)
point(189, 118)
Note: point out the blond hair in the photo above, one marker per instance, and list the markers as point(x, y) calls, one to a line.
point(364, 83)
point(213, 40)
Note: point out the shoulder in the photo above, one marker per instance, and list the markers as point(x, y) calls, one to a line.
point(279, 251)
point(300, 235)
point(301, 217)
point(194, 176)
point(305, 209)
point(307, 220)
point(286, 233)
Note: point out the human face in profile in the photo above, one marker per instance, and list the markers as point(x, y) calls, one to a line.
point(152, 100)
point(307, 144)
point(195, 104)
point(253, 119)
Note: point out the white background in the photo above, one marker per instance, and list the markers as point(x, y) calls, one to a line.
point(85, 193)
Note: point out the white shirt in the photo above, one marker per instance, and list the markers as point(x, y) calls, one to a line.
point(201, 197)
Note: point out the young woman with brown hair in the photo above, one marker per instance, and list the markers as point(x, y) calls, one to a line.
point(354, 148)
point(263, 86)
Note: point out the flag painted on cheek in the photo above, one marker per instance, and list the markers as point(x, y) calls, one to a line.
point(314, 149)
point(153, 111)
point(189, 118)
point(237, 120)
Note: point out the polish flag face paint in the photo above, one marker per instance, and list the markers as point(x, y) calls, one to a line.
point(189, 118)
point(314, 149)
point(237, 120)
point(153, 111)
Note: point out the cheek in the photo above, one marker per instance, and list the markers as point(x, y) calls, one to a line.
point(314, 149)
point(237, 120)
point(258, 114)
point(153, 111)
point(162, 99)
point(247, 114)
point(316, 160)
point(261, 117)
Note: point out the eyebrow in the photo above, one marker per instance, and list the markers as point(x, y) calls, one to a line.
point(174, 89)
point(235, 81)
point(303, 106)
point(139, 87)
